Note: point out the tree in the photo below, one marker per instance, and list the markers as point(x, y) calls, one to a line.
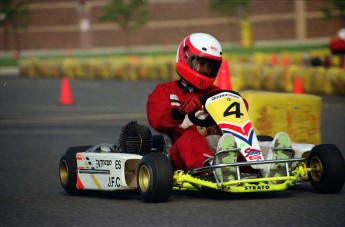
point(130, 15)
point(338, 5)
point(13, 15)
point(239, 8)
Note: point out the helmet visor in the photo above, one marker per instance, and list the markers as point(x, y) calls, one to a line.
point(204, 66)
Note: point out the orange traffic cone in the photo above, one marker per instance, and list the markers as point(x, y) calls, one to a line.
point(274, 59)
point(224, 77)
point(298, 86)
point(66, 98)
point(285, 61)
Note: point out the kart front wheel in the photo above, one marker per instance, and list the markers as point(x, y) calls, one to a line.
point(155, 178)
point(68, 169)
point(327, 166)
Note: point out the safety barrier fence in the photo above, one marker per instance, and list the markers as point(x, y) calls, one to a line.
point(260, 71)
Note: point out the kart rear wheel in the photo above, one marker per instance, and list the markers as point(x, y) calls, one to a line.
point(68, 169)
point(155, 178)
point(327, 165)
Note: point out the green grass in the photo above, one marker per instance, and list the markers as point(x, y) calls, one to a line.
point(8, 62)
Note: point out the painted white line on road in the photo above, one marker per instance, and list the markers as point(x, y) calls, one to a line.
point(9, 71)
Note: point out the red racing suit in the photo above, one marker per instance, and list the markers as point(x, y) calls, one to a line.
point(189, 148)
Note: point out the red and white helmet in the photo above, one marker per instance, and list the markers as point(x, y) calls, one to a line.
point(194, 51)
point(341, 33)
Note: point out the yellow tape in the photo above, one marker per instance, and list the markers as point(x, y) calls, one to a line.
point(96, 181)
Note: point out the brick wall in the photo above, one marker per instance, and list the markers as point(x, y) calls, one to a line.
point(54, 24)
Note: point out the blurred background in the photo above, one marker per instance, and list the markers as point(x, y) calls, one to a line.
point(80, 38)
point(84, 24)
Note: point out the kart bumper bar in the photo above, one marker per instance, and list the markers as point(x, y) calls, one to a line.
point(188, 182)
point(212, 167)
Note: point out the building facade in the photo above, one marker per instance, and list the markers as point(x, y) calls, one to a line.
point(61, 24)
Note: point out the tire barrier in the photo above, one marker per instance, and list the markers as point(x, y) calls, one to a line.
point(315, 80)
point(120, 68)
point(297, 114)
point(255, 73)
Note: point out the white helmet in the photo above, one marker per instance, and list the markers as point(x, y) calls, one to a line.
point(341, 33)
point(193, 53)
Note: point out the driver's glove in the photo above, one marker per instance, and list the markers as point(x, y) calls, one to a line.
point(191, 105)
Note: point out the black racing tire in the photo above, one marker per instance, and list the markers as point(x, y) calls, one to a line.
point(155, 178)
point(68, 169)
point(327, 165)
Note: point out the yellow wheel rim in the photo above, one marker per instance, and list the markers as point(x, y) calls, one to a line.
point(316, 169)
point(63, 172)
point(144, 178)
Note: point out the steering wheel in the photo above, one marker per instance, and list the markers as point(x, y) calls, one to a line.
point(208, 121)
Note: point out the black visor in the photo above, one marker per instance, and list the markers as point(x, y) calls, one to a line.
point(204, 66)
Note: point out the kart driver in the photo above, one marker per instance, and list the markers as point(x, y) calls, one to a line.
point(198, 60)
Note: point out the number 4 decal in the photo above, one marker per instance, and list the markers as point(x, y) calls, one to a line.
point(234, 108)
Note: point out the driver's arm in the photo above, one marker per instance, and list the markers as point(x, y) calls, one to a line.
point(190, 105)
point(160, 110)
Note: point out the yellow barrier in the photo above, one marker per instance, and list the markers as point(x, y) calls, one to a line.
point(297, 114)
point(244, 73)
point(336, 79)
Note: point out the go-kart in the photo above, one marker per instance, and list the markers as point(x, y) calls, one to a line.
point(258, 163)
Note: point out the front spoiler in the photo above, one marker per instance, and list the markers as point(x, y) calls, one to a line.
point(186, 181)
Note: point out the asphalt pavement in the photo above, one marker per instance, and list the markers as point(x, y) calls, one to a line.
point(35, 130)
